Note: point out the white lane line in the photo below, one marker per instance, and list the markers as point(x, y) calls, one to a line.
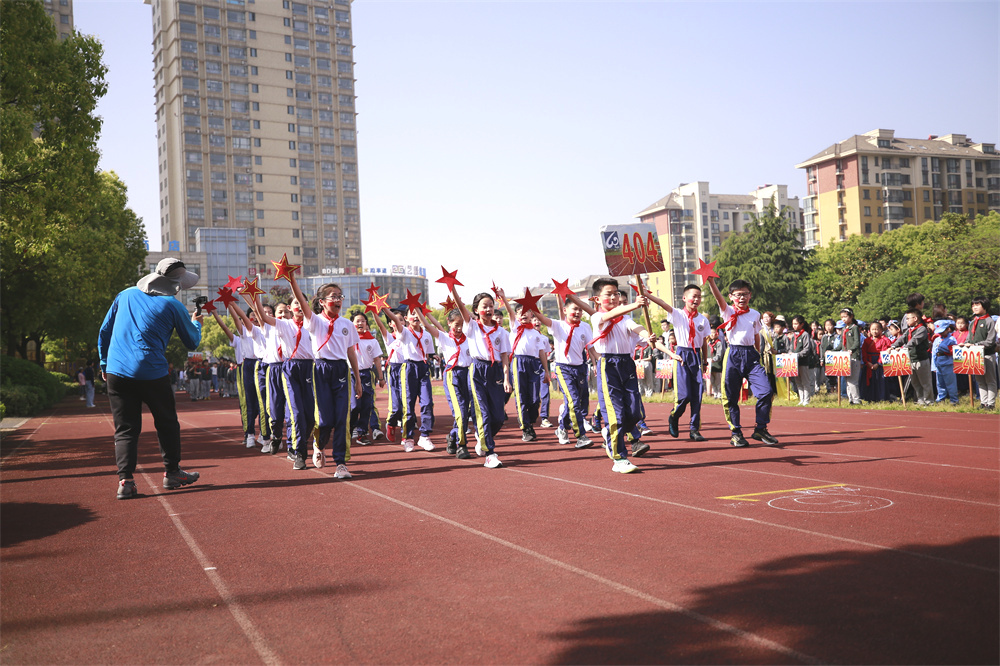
point(765, 523)
point(893, 460)
point(257, 641)
point(656, 601)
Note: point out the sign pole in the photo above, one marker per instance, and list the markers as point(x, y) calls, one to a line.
point(902, 393)
point(645, 308)
point(840, 389)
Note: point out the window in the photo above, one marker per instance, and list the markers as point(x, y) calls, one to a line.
point(217, 141)
point(238, 89)
point(192, 138)
point(241, 179)
point(302, 61)
point(345, 84)
point(192, 158)
point(187, 46)
point(868, 211)
point(300, 26)
point(195, 193)
point(346, 118)
point(235, 17)
point(330, 201)
point(236, 35)
point(238, 70)
point(189, 82)
point(212, 31)
point(307, 165)
point(239, 107)
point(210, 13)
point(241, 143)
point(187, 27)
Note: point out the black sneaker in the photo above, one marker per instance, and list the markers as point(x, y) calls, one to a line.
point(179, 478)
point(738, 440)
point(639, 449)
point(463, 453)
point(126, 489)
point(452, 447)
point(696, 436)
point(672, 426)
point(300, 461)
point(764, 436)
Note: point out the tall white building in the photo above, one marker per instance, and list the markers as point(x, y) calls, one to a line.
point(693, 222)
point(255, 121)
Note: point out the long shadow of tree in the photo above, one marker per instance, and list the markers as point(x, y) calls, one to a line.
point(849, 607)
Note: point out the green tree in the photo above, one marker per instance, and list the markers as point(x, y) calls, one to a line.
point(770, 256)
point(842, 271)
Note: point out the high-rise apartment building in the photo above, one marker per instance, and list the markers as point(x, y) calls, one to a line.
point(692, 222)
point(255, 122)
point(875, 182)
point(61, 12)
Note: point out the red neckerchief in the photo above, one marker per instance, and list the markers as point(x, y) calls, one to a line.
point(569, 338)
point(486, 336)
point(975, 322)
point(521, 328)
point(420, 343)
point(607, 329)
point(298, 337)
point(731, 322)
point(329, 332)
point(690, 318)
point(795, 340)
point(458, 349)
point(843, 340)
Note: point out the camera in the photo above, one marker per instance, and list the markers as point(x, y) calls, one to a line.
point(198, 303)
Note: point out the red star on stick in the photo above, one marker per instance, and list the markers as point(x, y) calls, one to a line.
point(379, 302)
point(562, 289)
point(495, 289)
point(449, 279)
point(705, 270)
point(426, 310)
point(208, 307)
point(529, 302)
point(234, 283)
point(372, 291)
point(449, 304)
point(635, 287)
point(226, 297)
point(250, 288)
point(412, 301)
point(283, 269)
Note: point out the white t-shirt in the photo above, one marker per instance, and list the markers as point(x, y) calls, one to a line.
point(448, 350)
point(368, 350)
point(295, 341)
point(530, 343)
point(746, 328)
point(477, 335)
point(582, 335)
point(273, 352)
point(622, 339)
point(702, 328)
point(248, 347)
point(414, 347)
point(331, 339)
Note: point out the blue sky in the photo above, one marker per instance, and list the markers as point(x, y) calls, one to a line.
point(497, 137)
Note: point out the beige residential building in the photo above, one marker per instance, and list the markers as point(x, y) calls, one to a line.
point(255, 121)
point(61, 12)
point(876, 181)
point(692, 222)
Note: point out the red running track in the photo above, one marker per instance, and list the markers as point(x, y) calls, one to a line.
point(864, 537)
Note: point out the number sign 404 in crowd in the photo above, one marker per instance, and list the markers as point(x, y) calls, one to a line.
point(630, 249)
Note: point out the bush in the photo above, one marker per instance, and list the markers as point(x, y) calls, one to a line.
point(19, 372)
point(3, 411)
point(22, 400)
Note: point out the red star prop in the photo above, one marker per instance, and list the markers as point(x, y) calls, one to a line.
point(426, 310)
point(379, 302)
point(283, 269)
point(529, 302)
point(234, 283)
point(372, 291)
point(449, 279)
point(495, 289)
point(449, 304)
point(705, 270)
point(562, 289)
point(412, 301)
point(226, 297)
point(635, 288)
point(250, 288)
point(208, 307)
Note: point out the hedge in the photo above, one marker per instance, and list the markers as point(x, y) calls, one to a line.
point(27, 388)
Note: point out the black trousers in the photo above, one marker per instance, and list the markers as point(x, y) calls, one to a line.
point(127, 396)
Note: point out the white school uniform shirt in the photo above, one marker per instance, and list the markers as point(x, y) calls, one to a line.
point(237, 344)
point(577, 344)
point(248, 349)
point(288, 332)
point(273, 352)
point(530, 344)
point(331, 339)
point(259, 343)
point(747, 326)
point(413, 347)
point(392, 349)
point(701, 328)
point(477, 333)
point(367, 351)
point(448, 350)
point(622, 339)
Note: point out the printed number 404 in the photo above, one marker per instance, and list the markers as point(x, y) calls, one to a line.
point(637, 252)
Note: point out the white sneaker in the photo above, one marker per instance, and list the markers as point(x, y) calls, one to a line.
point(341, 472)
point(267, 447)
point(480, 449)
point(291, 454)
point(624, 466)
point(407, 445)
point(319, 458)
point(546, 423)
point(493, 461)
point(251, 442)
point(425, 443)
point(261, 440)
point(587, 427)
point(562, 435)
point(605, 433)
point(376, 434)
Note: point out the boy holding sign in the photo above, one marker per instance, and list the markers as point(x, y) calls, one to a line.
point(742, 361)
point(691, 330)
